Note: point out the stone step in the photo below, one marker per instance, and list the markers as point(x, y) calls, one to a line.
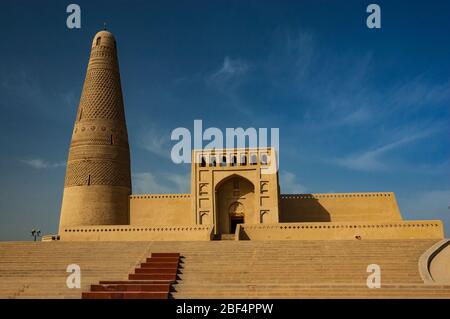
point(226, 236)
point(170, 277)
point(169, 265)
point(399, 295)
point(156, 266)
point(163, 259)
point(134, 282)
point(171, 271)
point(165, 288)
point(124, 295)
point(222, 268)
point(166, 255)
point(154, 280)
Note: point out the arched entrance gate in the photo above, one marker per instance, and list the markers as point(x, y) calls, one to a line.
point(234, 200)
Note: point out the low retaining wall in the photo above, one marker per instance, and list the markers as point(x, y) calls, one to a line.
point(134, 233)
point(430, 229)
point(434, 263)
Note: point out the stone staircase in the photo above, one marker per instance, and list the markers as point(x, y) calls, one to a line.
point(224, 237)
point(224, 269)
point(301, 269)
point(152, 280)
point(38, 269)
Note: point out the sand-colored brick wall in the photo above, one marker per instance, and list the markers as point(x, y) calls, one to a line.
point(136, 233)
point(427, 229)
point(212, 169)
point(161, 209)
point(340, 207)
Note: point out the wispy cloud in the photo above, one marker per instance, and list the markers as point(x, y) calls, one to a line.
point(228, 80)
point(356, 116)
point(334, 90)
point(338, 94)
point(23, 85)
point(439, 168)
point(289, 183)
point(418, 92)
point(38, 163)
point(291, 57)
point(230, 70)
point(26, 88)
point(372, 160)
point(331, 89)
point(160, 183)
point(157, 142)
point(69, 99)
point(228, 74)
point(144, 183)
point(181, 182)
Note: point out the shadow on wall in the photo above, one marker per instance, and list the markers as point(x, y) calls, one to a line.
point(308, 209)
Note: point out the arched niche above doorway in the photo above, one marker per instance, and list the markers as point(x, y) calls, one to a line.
point(235, 196)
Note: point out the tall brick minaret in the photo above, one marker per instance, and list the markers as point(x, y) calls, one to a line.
point(98, 181)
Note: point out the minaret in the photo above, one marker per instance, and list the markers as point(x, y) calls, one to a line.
point(98, 181)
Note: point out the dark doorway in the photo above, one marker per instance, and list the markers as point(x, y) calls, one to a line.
point(234, 220)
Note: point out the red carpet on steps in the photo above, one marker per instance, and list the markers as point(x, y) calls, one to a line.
point(152, 280)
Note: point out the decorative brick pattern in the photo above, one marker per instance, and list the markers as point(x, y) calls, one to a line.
point(99, 151)
point(102, 96)
point(97, 172)
point(100, 121)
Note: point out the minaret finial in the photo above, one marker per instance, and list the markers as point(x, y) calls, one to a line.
point(104, 26)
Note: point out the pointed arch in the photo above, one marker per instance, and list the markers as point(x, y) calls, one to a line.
point(234, 202)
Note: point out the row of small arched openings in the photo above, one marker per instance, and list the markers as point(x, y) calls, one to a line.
point(264, 160)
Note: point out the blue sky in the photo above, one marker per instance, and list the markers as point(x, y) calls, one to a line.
point(358, 109)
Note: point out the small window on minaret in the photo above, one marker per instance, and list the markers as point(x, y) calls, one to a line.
point(89, 180)
point(98, 41)
point(112, 140)
point(203, 162)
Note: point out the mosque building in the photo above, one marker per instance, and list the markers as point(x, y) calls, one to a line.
point(235, 193)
